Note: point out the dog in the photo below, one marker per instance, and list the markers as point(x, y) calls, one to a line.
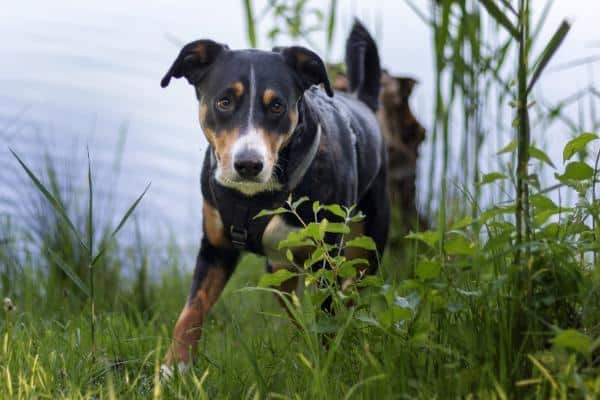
point(275, 128)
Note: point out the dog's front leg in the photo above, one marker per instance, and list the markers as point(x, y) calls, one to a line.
point(213, 268)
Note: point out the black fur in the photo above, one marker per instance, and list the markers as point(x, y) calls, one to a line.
point(362, 62)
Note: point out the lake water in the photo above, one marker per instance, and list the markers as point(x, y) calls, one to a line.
point(76, 74)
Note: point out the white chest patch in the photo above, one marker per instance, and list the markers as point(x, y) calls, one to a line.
point(277, 230)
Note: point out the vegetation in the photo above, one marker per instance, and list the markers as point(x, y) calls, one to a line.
point(501, 299)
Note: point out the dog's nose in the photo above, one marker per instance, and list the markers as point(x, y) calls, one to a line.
point(248, 164)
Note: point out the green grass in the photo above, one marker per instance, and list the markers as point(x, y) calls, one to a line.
point(456, 343)
point(247, 343)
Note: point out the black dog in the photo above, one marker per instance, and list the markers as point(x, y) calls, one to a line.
point(274, 132)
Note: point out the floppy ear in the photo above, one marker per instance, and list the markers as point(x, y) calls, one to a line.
point(308, 66)
point(193, 61)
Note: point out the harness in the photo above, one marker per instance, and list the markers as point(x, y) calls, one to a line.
point(238, 210)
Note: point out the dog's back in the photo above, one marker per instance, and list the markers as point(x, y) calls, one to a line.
point(350, 127)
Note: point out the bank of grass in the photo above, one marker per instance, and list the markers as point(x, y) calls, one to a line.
point(455, 343)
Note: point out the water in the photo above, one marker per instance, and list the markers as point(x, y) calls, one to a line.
point(77, 74)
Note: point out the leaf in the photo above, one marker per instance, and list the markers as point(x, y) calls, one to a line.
point(51, 199)
point(428, 269)
point(347, 271)
point(130, 211)
point(428, 237)
point(541, 217)
point(276, 278)
point(494, 212)
point(69, 272)
point(491, 177)
point(500, 17)
point(317, 255)
point(458, 245)
point(463, 223)
point(315, 230)
point(265, 213)
point(371, 280)
point(362, 242)
point(316, 206)
point(577, 144)
point(540, 155)
point(295, 239)
point(120, 225)
point(577, 171)
point(548, 52)
point(573, 340)
point(336, 210)
point(509, 148)
point(297, 203)
point(337, 227)
point(289, 255)
point(541, 202)
point(348, 268)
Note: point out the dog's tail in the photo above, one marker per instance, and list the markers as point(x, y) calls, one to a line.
point(362, 62)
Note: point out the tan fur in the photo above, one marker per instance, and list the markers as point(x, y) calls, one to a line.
point(277, 230)
point(223, 143)
point(188, 327)
point(213, 226)
point(238, 88)
point(268, 96)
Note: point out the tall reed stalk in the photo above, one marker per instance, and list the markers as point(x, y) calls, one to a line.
point(85, 239)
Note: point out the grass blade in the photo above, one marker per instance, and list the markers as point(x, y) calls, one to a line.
point(121, 223)
point(250, 27)
point(130, 210)
point(331, 24)
point(90, 222)
point(69, 272)
point(500, 17)
point(541, 21)
point(51, 199)
point(549, 52)
point(419, 13)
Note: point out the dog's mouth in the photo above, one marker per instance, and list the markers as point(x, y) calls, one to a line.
point(249, 186)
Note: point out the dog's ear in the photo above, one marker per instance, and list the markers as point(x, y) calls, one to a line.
point(193, 61)
point(308, 66)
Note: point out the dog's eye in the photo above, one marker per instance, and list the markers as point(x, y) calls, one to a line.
point(276, 107)
point(224, 104)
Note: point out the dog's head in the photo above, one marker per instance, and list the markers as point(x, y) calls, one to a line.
point(248, 103)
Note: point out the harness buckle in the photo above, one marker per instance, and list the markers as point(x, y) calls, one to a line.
point(238, 237)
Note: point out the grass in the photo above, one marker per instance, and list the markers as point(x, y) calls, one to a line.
point(455, 341)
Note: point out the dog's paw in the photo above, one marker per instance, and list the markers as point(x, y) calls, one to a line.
point(167, 371)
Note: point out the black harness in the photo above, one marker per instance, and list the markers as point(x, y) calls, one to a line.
point(238, 211)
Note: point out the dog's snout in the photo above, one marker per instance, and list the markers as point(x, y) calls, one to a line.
point(248, 164)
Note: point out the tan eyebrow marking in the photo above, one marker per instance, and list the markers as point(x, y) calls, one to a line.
point(238, 88)
point(268, 96)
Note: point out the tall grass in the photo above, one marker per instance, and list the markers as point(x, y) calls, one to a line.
point(85, 240)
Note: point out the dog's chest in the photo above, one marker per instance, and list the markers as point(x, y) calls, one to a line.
point(277, 229)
